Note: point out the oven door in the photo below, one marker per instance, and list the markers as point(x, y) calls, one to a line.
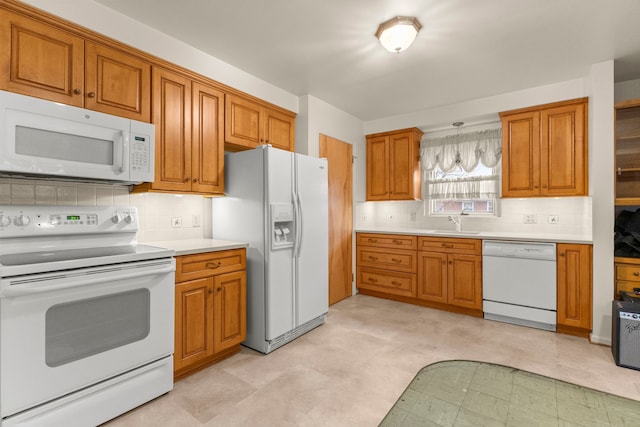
point(63, 331)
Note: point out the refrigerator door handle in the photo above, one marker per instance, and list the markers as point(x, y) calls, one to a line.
point(298, 243)
point(296, 223)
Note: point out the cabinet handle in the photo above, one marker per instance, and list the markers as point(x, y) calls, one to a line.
point(561, 254)
point(635, 273)
point(447, 245)
point(210, 290)
point(397, 242)
point(195, 179)
point(396, 283)
point(187, 179)
point(396, 260)
point(372, 240)
point(213, 265)
point(373, 258)
point(371, 279)
point(219, 289)
point(544, 185)
point(91, 95)
point(77, 91)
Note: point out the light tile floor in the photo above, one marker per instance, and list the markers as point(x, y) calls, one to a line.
point(351, 370)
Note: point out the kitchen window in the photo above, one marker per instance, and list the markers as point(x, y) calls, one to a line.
point(461, 173)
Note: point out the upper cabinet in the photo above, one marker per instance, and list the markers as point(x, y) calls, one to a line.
point(45, 61)
point(393, 165)
point(189, 152)
point(628, 152)
point(544, 150)
point(249, 124)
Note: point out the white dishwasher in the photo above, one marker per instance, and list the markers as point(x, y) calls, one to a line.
point(519, 283)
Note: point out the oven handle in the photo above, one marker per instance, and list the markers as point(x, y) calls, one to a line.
point(74, 282)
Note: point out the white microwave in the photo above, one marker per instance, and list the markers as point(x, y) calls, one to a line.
point(40, 138)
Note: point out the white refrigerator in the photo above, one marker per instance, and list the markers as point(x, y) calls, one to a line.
point(277, 201)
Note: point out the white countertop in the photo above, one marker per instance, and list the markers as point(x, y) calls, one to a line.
point(197, 246)
point(484, 235)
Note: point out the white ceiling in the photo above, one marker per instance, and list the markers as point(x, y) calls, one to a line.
point(467, 49)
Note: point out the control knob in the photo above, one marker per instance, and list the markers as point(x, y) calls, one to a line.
point(116, 219)
point(22, 220)
point(4, 221)
point(128, 219)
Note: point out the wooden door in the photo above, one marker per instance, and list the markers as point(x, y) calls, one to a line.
point(39, 60)
point(574, 288)
point(563, 165)
point(432, 276)
point(230, 310)
point(279, 129)
point(401, 166)
point(193, 322)
point(521, 154)
point(464, 281)
point(242, 126)
point(378, 168)
point(207, 140)
point(117, 83)
point(172, 117)
point(339, 156)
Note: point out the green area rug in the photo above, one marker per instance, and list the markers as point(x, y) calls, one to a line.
point(466, 393)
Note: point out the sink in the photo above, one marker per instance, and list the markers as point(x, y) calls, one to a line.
point(455, 232)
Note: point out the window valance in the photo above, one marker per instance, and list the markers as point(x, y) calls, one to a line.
point(465, 150)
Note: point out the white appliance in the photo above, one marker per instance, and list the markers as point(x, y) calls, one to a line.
point(86, 315)
point(44, 138)
point(278, 202)
point(519, 283)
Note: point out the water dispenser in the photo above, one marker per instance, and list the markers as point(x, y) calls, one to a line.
point(282, 226)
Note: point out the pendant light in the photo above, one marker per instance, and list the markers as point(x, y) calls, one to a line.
point(398, 33)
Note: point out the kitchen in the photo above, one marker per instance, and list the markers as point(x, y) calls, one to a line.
point(164, 219)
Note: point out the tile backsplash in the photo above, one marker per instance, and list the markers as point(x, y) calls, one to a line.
point(162, 216)
point(573, 214)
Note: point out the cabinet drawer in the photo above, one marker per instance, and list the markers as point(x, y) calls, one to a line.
point(189, 267)
point(628, 272)
point(388, 259)
point(450, 245)
point(622, 285)
point(396, 283)
point(399, 241)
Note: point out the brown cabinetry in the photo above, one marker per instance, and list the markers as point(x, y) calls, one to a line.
point(393, 165)
point(627, 152)
point(386, 264)
point(249, 123)
point(574, 289)
point(210, 311)
point(627, 271)
point(544, 150)
point(189, 151)
point(45, 61)
point(450, 273)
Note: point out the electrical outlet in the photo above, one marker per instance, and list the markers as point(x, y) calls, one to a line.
point(412, 217)
point(195, 221)
point(364, 218)
point(176, 221)
point(530, 219)
point(553, 219)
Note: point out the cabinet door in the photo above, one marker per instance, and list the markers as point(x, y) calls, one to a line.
point(432, 276)
point(464, 281)
point(242, 123)
point(378, 168)
point(172, 117)
point(193, 322)
point(521, 154)
point(117, 83)
point(574, 288)
point(39, 60)
point(563, 165)
point(230, 310)
point(279, 129)
point(401, 166)
point(207, 153)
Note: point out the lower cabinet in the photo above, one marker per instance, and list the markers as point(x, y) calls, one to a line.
point(210, 311)
point(444, 273)
point(574, 289)
point(450, 278)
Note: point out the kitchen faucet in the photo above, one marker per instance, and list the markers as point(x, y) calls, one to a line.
point(457, 221)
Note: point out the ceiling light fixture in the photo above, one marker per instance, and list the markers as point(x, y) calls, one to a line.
point(398, 33)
